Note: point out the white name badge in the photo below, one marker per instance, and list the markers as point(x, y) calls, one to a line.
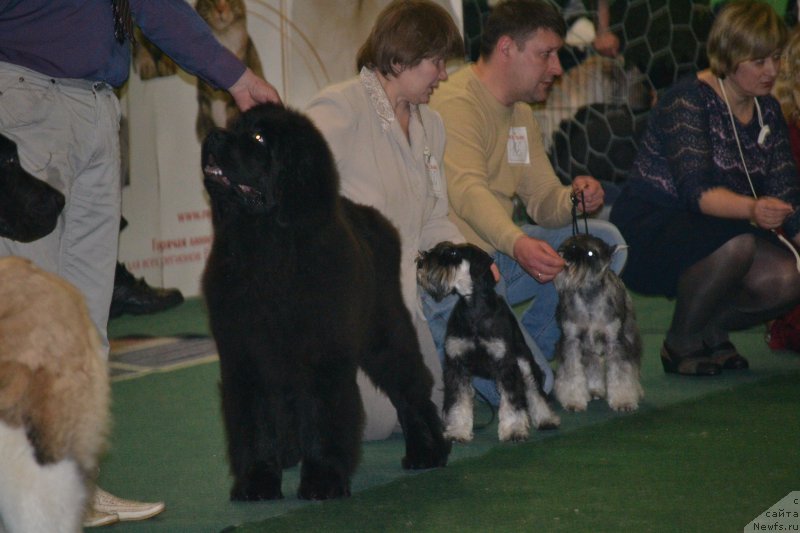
point(518, 146)
point(434, 174)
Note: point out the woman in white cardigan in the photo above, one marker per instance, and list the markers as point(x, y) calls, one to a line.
point(388, 146)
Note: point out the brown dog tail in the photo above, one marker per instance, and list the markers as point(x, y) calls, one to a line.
point(15, 379)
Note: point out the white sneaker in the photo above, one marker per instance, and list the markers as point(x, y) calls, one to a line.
point(124, 509)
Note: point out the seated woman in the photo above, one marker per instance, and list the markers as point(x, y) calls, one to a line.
point(388, 146)
point(712, 185)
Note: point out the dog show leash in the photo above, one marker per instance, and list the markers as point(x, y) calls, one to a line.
point(578, 197)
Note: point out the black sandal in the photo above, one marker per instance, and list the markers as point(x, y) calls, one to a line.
point(727, 356)
point(694, 364)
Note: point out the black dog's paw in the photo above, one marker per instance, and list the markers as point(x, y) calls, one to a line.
point(256, 489)
point(426, 445)
point(432, 455)
point(322, 489)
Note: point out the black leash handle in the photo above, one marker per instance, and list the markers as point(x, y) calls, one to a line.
point(578, 197)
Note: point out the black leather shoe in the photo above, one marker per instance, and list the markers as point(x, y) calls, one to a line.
point(135, 297)
point(727, 356)
point(693, 364)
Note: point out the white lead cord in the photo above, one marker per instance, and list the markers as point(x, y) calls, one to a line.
point(783, 239)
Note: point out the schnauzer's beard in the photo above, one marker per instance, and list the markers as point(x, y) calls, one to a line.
point(441, 281)
point(576, 275)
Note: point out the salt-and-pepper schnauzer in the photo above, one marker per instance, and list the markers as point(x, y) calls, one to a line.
point(483, 339)
point(599, 352)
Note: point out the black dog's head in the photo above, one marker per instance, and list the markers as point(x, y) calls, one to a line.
point(273, 162)
point(29, 207)
point(447, 268)
point(587, 258)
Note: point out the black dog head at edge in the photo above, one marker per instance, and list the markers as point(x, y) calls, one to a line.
point(29, 207)
point(436, 268)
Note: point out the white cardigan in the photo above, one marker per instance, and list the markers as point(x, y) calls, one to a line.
point(379, 167)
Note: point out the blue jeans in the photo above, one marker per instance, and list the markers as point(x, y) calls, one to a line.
point(538, 322)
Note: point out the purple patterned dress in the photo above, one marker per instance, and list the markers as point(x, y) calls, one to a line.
point(688, 148)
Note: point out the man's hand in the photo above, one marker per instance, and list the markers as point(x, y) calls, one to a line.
point(606, 44)
point(537, 258)
point(250, 90)
point(593, 193)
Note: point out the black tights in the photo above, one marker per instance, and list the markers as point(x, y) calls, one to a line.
point(745, 282)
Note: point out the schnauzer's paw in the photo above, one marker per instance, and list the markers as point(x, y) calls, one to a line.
point(597, 394)
point(542, 415)
point(625, 407)
point(458, 420)
point(458, 434)
point(256, 490)
point(575, 405)
point(518, 435)
point(514, 424)
point(623, 404)
point(572, 398)
point(625, 398)
point(573, 401)
point(552, 421)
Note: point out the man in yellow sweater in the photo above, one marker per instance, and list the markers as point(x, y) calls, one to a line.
point(494, 152)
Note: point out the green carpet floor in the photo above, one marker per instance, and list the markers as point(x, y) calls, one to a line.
point(702, 454)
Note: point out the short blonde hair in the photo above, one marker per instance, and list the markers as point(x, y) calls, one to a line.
point(743, 30)
point(787, 86)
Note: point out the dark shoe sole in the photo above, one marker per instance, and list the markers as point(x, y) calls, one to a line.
point(145, 308)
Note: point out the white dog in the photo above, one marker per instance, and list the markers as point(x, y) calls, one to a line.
point(54, 401)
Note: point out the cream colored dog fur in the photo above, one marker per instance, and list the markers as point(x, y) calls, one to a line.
point(54, 401)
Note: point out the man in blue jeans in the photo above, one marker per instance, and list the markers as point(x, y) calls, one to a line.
point(494, 153)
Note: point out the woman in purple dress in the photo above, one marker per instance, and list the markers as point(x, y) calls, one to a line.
point(713, 185)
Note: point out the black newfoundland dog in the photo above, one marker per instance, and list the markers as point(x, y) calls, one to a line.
point(302, 287)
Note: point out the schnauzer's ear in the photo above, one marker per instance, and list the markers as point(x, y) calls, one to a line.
point(420, 259)
point(618, 248)
point(479, 261)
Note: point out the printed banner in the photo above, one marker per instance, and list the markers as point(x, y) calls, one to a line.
point(301, 45)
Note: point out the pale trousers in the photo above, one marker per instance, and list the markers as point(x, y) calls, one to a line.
point(67, 134)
